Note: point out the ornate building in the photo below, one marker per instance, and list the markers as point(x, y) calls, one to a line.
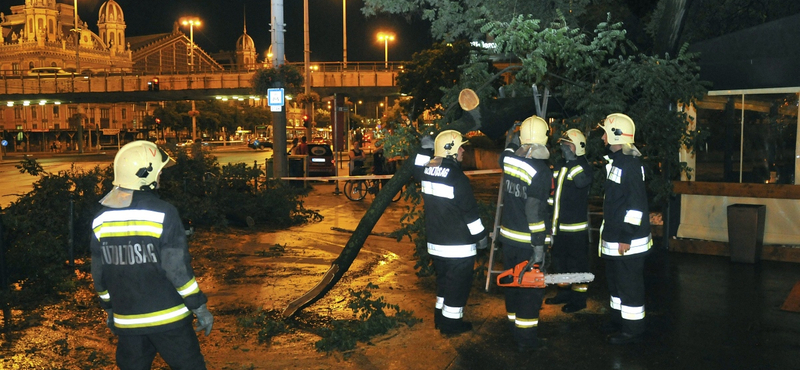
point(41, 33)
point(244, 58)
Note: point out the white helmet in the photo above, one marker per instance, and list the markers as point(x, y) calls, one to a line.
point(447, 143)
point(576, 137)
point(138, 164)
point(533, 130)
point(619, 129)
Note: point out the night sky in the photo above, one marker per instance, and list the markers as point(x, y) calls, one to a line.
point(223, 24)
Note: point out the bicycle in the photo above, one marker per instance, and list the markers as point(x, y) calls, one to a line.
point(356, 190)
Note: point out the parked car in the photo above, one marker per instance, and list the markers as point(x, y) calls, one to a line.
point(320, 160)
point(261, 143)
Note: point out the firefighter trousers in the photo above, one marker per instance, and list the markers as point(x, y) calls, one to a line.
point(522, 304)
point(453, 283)
point(570, 252)
point(179, 348)
point(626, 286)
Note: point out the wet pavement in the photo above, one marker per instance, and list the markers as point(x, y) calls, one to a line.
point(703, 312)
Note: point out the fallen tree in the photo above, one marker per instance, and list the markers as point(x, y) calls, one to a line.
point(498, 115)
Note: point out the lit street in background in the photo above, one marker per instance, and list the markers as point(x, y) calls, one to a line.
point(13, 183)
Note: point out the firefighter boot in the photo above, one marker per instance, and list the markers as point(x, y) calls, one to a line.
point(614, 324)
point(576, 302)
point(449, 326)
point(563, 295)
point(526, 339)
point(437, 317)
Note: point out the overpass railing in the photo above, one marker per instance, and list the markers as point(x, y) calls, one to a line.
point(354, 74)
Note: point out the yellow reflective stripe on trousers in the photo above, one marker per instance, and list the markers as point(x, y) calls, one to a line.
point(452, 312)
point(157, 318)
point(189, 288)
point(632, 313)
point(526, 323)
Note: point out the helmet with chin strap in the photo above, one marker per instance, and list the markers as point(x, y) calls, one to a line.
point(447, 143)
point(138, 164)
point(619, 129)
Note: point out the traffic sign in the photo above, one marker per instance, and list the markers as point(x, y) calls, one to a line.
point(4, 143)
point(275, 97)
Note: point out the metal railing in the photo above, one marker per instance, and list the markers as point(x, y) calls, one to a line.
point(354, 74)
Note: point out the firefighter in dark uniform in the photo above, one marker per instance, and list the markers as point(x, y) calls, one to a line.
point(570, 250)
point(625, 238)
point(525, 221)
point(453, 229)
point(141, 267)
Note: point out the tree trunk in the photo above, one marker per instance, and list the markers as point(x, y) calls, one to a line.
point(670, 26)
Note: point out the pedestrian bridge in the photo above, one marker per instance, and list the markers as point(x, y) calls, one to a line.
point(360, 78)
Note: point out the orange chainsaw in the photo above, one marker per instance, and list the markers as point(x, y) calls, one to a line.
point(528, 275)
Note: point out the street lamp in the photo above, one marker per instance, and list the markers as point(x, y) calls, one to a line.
point(191, 22)
point(386, 37)
point(344, 32)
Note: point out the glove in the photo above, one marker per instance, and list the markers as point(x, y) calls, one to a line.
point(538, 256)
point(427, 142)
point(110, 320)
point(204, 319)
point(484, 243)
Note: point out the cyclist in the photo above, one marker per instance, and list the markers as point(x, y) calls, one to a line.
point(357, 158)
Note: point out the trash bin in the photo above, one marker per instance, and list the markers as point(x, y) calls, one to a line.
point(297, 168)
point(269, 168)
point(746, 231)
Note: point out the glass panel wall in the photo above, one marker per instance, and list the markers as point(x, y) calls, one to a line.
point(748, 138)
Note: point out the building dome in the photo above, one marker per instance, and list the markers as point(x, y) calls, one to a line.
point(110, 11)
point(245, 42)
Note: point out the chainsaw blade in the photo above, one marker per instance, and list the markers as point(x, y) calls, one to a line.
point(569, 278)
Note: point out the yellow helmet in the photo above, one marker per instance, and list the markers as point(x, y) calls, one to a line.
point(138, 164)
point(619, 129)
point(447, 143)
point(576, 137)
point(533, 130)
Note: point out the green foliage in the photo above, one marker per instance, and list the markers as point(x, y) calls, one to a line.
point(36, 226)
point(456, 19)
point(370, 319)
point(269, 323)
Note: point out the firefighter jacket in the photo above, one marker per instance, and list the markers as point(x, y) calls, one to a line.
point(526, 186)
point(141, 266)
point(626, 216)
point(572, 182)
point(452, 218)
